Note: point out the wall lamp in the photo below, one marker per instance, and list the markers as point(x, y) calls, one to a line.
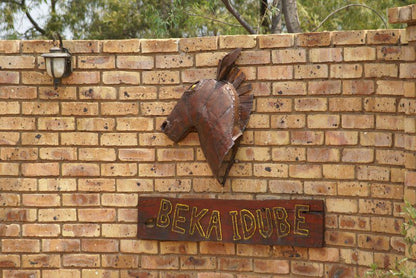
point(58, 62)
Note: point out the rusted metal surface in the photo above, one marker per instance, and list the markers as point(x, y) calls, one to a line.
point(219, 110)
point(270, 222)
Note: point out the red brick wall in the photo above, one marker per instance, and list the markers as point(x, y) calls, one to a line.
point(333, 119)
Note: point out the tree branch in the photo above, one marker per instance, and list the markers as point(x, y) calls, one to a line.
point(34, 23)
point(238, 16)
point(290, 12)
point(346, 7)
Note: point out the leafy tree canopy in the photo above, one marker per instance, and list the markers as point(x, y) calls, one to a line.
point(122, 19)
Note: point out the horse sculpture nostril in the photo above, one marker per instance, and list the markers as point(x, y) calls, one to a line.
point(163, 126)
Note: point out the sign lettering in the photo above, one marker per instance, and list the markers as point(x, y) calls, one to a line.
point(271, 222)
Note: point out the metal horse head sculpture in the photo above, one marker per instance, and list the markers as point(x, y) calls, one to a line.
point(219, 110)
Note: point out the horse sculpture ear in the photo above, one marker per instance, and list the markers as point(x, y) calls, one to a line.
point(219, 110)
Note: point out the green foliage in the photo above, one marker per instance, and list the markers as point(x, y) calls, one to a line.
point(402, 268)
point(122, 19)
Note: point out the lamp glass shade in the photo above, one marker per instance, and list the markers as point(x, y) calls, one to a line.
point(55, 67)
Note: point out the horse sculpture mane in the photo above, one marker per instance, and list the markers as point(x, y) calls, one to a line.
point(219, 110)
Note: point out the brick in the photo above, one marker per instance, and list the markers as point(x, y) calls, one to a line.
point(93, 92)
point(345, 104)
point(80, 199)
point(118, 108)
point(275, 72)
point(119, 230)
point(161, 77)
point(196, 44)
point(159, 45)
point(138, 92)
point(235, 41)
point(21, 92)
point(62, 93)
point(393, 87)
point(311, 71)
point(134, 185)
point(121, 77)
point(407, 70)
point(288, 121)
point(21, 273)
point(17, 123)
point(61, 245)
point(9, 77)
point(57, 215)
point(373, 207)
point(289, 88)
point(353, 222)
point(10, 46)
point(383, 36)
point(144, 246)
point(119, 139)
point(97, 154)
point(127, 215)
point(336, 171)
point(10, 199)
point(96, 185)
point(386, 225)
point(379, 139)
point(62, 273)
point(125, 46)
point(81, 260)
point(41, 200)
point(307, 138)
point(40, 169)
point(18, 184)
point(83, 46)
point(10, 108)
point(288, 56)
point(253, 154)
point(99, 245)
point(288, 154)
point(323, 155)
point(389, 191)
point(59, 184)
point(341, 137)
point(358, 87)
point(96, 62)
point(361, 53)
point(259, 121)
point(95, 124)
point(396, 53)
point(373, 242)
point(80, 169)
point(320, 188)
point(285, 186)
point(229, 264)
point(156, 108)
point(81, 230)
point(273, 105)
point(191, 169)
point(358, 155)
point(330, 87)
point(271, 266)
point(216, 248)
point(381, 70)
point(389, 122)
point(18, 153)
point(56, 123)
point(311, 104)
point(79, 108)
point(9, 261)
point(170, 247)
point(20, 245)
point(308, 268)
point(349, 37)
point(9, 138)
point(193, 75)
point(58, 153)
point(346, 71)
point(271, 138)
point(209, 59)
point(196, 262)
point(12, 230)
point(254, 57)
point(390, 157)
point(247, 185)
point(17, 62)
point(81, 78)
point(135, 62)
point(357, 121)
point(94, 273)
point(374, 173)
point(323, 121)
point(169, 61)
point(340, 238)
point(79, 138)
point(119, 200)
point(305, 171)
point(96, 215)
point(321, 55)
point(275, 41)
point(119, 169)
point(314, 39)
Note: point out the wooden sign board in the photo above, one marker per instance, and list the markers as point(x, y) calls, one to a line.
point(269, 222)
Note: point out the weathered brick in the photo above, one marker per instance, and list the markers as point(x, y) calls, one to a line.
point(375, 207)
point(305, 171)
point(314, 39)
point(321, 55)
point(81, 260)
point(396, 53)
point(375, 173)
point(96, 62)
point(320, 188)
point(80, 169)
point(9, 77)
point(134, 185)
point(323, 155)
point(373, 242)
point(57, 215)
point(9, 261)
point(138, 92)
point(10, 46)
point(407, 70)
point(275, 72)
point(386, 224)
point(79, 108)
point(145, 246)
point(319, 121)
point(345, 104)
point(126, 46)
point(161, 77)
point(311, 71)
point(135, 62)
point(99, 245)
point(338, 171)
point(329, 87)
point(40, 169)
point(307, 137)
point(285, 186)
point(307, 268)
point(359, 54)
point(353, 222)
point(121, 77)
point(289, 88)
point(359, 87)
point(271, 266)
point(289, 56)
point(346, 71)
point(79, 138)
point(271, 137)
point(174, 61)
point(20, 245)
point(349, 37)
point(94, 273)
point(383, 36)
point(358, 155)
point(119, 139)
point(196, 44)
point(358, 121)
point(274, 105)
point(82, 230)
point(340, 238)
point(119, 230)
point(56, 123)
point(81, 78)
point(288, 121)
point(161, 45)
point(95, 124)
point(80, 199)
point(381, 70)
point(96, 185)
point(274, 41)
point(389, 122)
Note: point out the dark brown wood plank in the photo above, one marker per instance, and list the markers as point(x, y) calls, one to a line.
point(269, 222)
